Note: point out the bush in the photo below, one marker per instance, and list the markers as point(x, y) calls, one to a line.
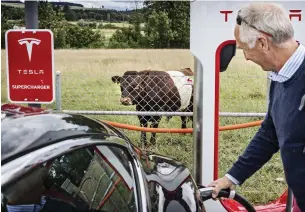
point(78, 37)
point(127, 38)
point(100, 26)
point(92, 25)
point(117, 45)
point(5, 25)
point(82, 23)
point(110, 26)
point(60, 40)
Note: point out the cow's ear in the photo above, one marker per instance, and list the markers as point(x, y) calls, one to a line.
point(116, 79)
point(187, 72)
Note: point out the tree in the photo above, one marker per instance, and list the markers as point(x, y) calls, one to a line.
point(99, 17)
point(158, 31)
point(4, 27)
point(127, 38)
point(48, 17)
point(136, 4)
point(66, 8)
point(136, 19)
point(178, 13)
point(71, 16)
point(67, 35)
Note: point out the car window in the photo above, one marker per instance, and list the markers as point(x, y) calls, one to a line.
point(96, 178)
point(17, 135)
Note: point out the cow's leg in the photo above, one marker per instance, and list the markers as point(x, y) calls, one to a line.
point(183, 120)
point(183, 124)
point(143, 123)
point(155, 124)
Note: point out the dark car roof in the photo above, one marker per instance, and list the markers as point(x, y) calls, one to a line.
point(27, 133)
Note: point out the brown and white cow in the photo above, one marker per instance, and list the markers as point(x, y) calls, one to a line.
point(151, 90)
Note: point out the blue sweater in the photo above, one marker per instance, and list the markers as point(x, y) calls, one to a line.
point(283, 128)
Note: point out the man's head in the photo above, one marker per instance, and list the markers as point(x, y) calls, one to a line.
point(264, 31)
point(28, 189)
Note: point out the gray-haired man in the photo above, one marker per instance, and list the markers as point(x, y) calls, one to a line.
point(265, 34)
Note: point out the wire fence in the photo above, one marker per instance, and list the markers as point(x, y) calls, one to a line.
point(89, 85)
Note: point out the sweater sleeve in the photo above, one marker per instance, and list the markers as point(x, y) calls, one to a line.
point(259, 151)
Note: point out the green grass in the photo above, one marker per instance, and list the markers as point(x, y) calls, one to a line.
point(121, 25)
point(106, 32)
point(87, 85)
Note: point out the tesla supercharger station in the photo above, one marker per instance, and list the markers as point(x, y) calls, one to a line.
point(212, 34)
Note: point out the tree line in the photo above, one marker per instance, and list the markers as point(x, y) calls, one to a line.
point(159, 24)
point(72, 14)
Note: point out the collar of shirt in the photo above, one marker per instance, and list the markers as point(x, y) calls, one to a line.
point(290, 67)
point(27, 208)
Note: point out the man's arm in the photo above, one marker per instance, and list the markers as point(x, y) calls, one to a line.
point(259, 151)
point(232, 179)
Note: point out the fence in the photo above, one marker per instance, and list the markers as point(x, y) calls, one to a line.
point(86, 87)
point(245, 101)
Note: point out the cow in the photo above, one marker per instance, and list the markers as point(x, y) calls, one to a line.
point(152, 90)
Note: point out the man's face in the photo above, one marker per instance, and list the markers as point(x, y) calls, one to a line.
point(259, 54)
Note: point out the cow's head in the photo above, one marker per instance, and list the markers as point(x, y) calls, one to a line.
point(130, 87)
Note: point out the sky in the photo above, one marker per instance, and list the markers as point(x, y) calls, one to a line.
point(111, 4)
point(108, 4)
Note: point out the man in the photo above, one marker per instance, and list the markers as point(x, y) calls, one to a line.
point(265, 34)
point(27, 194)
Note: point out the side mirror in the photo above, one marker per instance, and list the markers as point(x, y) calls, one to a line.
point(226, 55)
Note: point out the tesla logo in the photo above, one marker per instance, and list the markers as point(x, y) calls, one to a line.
point(29, 44)
point(295, 15)
point(226, 12)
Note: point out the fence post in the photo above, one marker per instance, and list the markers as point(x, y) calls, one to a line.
point(198, 117)
point(31, 22)
point(58, 90)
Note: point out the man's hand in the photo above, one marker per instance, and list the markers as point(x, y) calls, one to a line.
point(221, 183)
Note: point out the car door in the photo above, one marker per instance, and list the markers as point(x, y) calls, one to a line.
point(93, 178)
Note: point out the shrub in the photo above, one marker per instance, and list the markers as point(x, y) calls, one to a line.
point(110, 26)
point(127, 38)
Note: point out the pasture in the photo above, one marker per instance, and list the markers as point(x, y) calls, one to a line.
point(106, 32)
point(87, 85)
point(118, 24)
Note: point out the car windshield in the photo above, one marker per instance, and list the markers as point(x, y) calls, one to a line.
point(97, 178)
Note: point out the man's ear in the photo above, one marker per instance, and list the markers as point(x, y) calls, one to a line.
point(263, 43)
point(116, 79)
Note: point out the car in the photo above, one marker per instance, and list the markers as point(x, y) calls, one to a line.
point(69, 162)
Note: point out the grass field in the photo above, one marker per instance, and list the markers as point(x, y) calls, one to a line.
point(121, 24)
point(87, 85)
point(106, 32)
point(21, 5)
